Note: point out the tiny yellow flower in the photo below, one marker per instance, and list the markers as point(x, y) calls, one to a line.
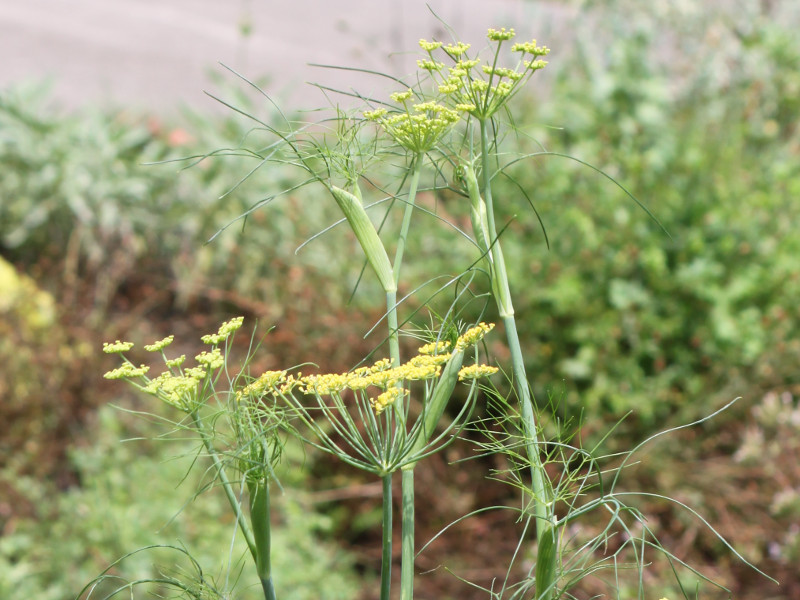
point(435, 348)
point(430, 65)
point(386, 399)
point(176, 362)
point(476, 372)
point(374, 115)
point(530, 48)
point(456, 50)
point(401, 96)
point(325, 384)
point(267, 382)
point(211, 360)
point(429, 46)
point(117, 347)
point(126, 371)
point(224, 332)
point(535, 65)
point(500, 35)
point(160, 345)
point(473, 335)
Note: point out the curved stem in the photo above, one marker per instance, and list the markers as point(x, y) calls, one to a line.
point(386, 550)
point(542, 500)
point(226, 486)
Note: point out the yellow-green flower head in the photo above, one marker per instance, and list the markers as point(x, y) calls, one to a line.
point(535, 65)
point(479, 85)
point(429, 46)
point(126, 371)
point(196, 373)
point(466, 65)
point(211, 360)
point(465, 107)
point(419, 129)
point(224, 332)
point(476, 372)
point(503, 72)
point(430, 65)
point(424, 360)
point(176, 362)
point(266, 383)
point(289, 383)
point(179, 391)
point(456, 50)
point(383, 379)
point(502, 89)
point(496, 35)
point(530, 48)
point(374, 115)
point(401, 96)
point(439, 347)
point(386, 399)
point(325, 384)
point(473, 335)
point(421, 367)
point(449, 88)
point(160, 344)
point(383, 364)
point(117, 347)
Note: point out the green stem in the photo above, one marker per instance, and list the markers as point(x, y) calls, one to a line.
point(412, 196)
point(226, 486)
point(542, 501)
point(260, 518)
point(391, 321)
point(386, 550)
point(407, 548)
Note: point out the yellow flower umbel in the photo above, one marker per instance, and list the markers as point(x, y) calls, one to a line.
point(418, 127)
point(176, 386)
point(483, 92)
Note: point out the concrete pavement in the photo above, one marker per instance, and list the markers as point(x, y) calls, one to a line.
point(155, 55)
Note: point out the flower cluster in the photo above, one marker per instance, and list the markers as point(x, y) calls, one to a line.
point(467, 90)
point(381, 375)
point(418, 127)
point(176, 386)
point(224, 332)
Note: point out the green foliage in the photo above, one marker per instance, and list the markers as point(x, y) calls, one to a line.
point(78, 188)
point(79, 532)
point(631, 319)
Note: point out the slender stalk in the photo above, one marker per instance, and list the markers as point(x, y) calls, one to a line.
point(407, 480)
point(386, 550)
point(542, 507)
point(260, 518)
point(407, 547)
point(226, 486)
point(412, 196)
point(391, 321)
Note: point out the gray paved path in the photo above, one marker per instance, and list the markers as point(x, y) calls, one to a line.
point(157, 54)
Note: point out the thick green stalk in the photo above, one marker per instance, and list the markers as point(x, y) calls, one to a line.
point(412, 196)
point(407, 548)
point(226, 486)
point(543, 504)
point(407, 481)
point(260, 518)
point(386, 549)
